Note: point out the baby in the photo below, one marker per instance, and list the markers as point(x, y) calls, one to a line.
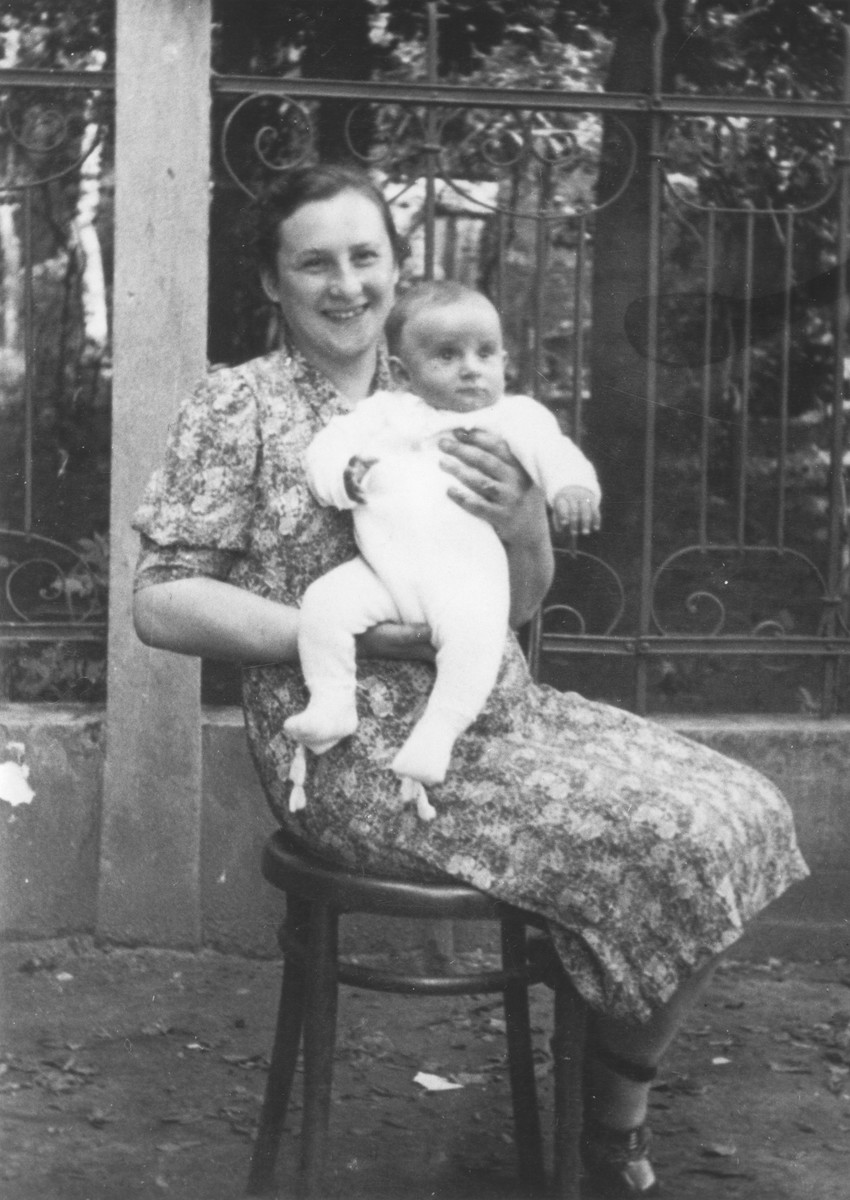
point(424, 559)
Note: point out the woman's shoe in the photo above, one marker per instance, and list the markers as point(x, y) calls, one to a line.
point(617, 1161)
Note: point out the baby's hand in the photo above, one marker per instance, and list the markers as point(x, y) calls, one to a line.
point(353, 476)
point(576, 509)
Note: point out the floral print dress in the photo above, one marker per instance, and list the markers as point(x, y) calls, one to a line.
point(646, 852)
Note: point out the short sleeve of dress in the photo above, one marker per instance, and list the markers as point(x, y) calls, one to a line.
point(196, 514)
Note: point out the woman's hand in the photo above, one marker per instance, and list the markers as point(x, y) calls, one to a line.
point(391, 640)
point(497, 488)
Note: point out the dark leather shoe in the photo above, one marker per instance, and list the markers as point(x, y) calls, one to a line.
point(617, 1162)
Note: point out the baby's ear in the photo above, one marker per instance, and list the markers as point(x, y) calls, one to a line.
point(399, 372)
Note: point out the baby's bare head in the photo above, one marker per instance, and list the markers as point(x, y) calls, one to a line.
point(434, 293)
point(445, 340)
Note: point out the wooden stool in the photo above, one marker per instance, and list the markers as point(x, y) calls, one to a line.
point(316, 894)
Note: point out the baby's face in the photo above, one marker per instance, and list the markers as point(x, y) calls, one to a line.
point(453, 355)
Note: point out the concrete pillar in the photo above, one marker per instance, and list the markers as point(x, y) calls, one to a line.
point(150, 833)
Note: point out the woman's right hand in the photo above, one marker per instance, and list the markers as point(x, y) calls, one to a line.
point(392, 640)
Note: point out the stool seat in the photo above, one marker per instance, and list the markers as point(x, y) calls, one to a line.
point(317, 893)
point(287, 866)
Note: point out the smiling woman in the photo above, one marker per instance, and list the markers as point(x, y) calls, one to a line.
point(555, 803)
point(334, 276)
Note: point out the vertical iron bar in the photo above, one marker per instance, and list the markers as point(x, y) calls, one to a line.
point(541, 253)
point(653, 277)
point(705, 417)
point(782, 472)
point(432, 51)
point(743, 417)
point(501, 240)
point(535, 627)
point(578, 332)
point(541, 230)
point(29, 363)
point(838, 515)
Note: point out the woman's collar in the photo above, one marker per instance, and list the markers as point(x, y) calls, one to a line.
point(323, 394)
point(382, 379)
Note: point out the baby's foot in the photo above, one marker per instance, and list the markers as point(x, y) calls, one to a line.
point(298, 777)
point(413, 792)
point(426, 753)
point(321, 726)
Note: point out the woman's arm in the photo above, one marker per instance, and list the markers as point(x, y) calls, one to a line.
point(215, 619)
point(391, 640)
point(531, 560)
point(498, 489)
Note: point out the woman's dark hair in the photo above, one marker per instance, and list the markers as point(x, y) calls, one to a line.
point(303, 185)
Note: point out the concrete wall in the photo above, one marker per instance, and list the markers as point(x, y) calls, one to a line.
point(49, 864)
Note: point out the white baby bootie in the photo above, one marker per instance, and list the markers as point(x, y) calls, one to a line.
point(412, 792)
point(323, 723)
point(426, 753)
point(297, 777)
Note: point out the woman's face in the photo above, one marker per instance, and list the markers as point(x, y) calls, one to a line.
point(334, 278)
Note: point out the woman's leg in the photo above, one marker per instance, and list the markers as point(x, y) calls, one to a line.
point(621, 1063)
point(617, 1099)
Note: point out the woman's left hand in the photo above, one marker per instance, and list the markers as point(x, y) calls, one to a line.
point(495, 486)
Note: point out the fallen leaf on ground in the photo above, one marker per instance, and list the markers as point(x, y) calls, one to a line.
point(435, 1083)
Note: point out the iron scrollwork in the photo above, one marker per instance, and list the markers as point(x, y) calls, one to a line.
point(45, 138)
point(46, 583)
point(459, 144)
point(714, 590)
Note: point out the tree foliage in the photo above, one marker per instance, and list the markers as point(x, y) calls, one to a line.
point(61, 34)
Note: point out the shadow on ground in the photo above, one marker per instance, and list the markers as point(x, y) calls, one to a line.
point(137, 1074)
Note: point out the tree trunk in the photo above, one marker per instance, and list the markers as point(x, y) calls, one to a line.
point(93, 281)
point(11, 265)
point(616, 416)
point(339, 48)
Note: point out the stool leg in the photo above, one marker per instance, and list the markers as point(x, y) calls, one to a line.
point(568, 1054)
point(529, 1141)
point(287, 1038)
point(319, 1039)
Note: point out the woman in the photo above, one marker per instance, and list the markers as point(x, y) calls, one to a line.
point(646, 852)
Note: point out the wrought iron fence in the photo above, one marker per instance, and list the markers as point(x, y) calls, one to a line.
point(733, 595)
point(736, 595)
point(55, 138)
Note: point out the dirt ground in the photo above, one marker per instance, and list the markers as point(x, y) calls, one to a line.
point(138, 1074)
